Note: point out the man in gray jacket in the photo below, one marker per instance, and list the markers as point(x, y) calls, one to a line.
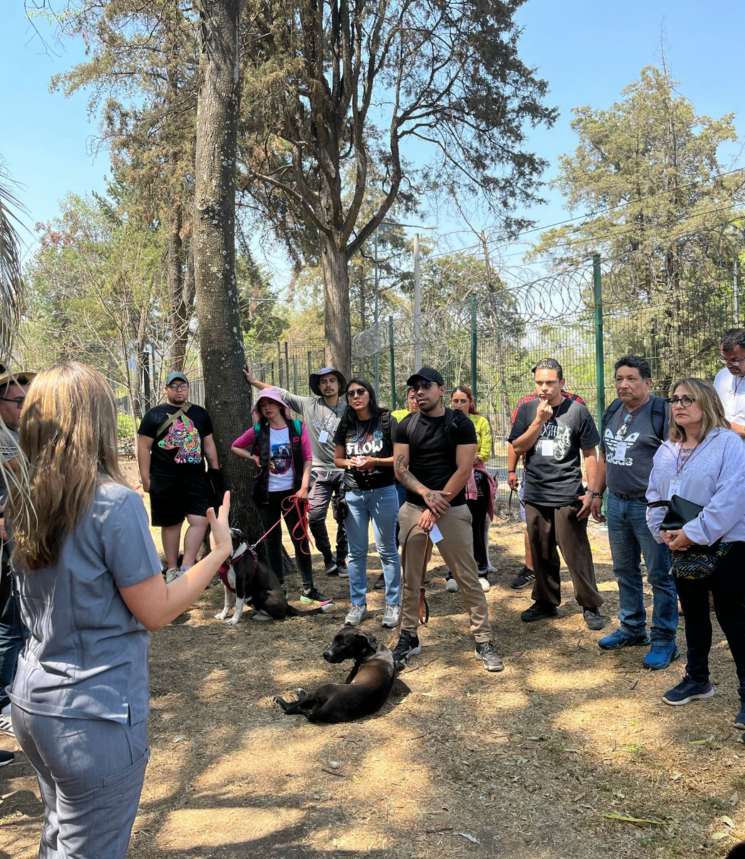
point(321, 414)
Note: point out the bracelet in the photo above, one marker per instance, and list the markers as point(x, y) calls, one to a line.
point(597, 494)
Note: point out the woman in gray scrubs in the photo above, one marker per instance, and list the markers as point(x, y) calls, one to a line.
point(90, 588)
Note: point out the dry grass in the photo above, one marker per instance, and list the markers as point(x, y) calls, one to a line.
point(548, 759)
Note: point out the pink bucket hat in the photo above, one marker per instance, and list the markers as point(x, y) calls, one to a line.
point(272, 394)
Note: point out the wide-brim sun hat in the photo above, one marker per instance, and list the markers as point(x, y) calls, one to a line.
point(272, 394)
point(18, 377)
point(315, 379)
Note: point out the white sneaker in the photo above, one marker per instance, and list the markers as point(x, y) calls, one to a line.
point(173, 573)
point(485, 586)
point(391, 616)
point(355, 615)
point(451, 585)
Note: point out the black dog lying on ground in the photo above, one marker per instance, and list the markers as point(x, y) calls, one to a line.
point(365, 690)
point(245, 579)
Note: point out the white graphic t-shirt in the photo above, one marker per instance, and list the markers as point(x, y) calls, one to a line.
point(281, 471)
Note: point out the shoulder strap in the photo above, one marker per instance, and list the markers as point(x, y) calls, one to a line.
point(297, 426)
point(659, 413)
point(171, 419)
point(608, 414)
point(385, 422)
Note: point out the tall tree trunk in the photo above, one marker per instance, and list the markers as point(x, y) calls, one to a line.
point(179, 312)
point(220, 339)
point(337, 324)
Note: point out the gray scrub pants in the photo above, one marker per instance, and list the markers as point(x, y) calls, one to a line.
point(90, 775)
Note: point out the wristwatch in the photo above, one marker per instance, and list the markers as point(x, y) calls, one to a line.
point(597, 494)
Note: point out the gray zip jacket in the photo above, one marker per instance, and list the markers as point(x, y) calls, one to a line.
point(319, 418)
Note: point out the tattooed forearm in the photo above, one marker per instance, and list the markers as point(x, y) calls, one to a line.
point(405, 477)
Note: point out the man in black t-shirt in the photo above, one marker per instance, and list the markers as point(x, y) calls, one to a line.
point(174, 439)
point(433, 458)
point(550, 432)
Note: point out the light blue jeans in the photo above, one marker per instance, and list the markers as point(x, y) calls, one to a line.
point(630, 538)
point(380, 505)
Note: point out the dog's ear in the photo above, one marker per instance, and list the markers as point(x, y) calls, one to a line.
point(366, 643)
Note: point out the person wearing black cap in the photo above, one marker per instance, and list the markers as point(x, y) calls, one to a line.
point(173, 440)
point(321, 415)
point(433, 458)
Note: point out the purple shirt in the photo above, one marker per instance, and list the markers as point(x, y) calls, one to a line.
point(713, 476)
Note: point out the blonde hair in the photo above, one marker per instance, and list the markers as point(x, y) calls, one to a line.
point(67, 432)
point(708, 401)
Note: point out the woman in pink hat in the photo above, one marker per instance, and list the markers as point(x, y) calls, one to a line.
point(280, 447)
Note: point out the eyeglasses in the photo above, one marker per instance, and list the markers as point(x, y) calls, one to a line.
point(421, 385)
point(17, 400)
point(357, 392)
point(178, 387)
point(732, 361)
point(684, 401)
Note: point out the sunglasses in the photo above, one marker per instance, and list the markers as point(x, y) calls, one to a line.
point(421, 385)
point(684, 401)
point(353, 393)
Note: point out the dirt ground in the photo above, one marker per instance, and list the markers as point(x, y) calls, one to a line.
point(567, 753)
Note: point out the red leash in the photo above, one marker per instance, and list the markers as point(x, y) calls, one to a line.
point(300, 505)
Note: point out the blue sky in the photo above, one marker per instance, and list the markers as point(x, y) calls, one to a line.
point(588, 51)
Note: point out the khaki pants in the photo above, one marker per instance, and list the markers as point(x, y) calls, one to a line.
point(456, 548)
point(547, 527)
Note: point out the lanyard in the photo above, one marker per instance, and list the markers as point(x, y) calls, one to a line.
point(680, 465)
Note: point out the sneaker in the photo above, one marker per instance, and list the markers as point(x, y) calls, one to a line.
point(740, 717)
point(487, 653)
point(594, 619)
point(6, 758)
point(485, 586)
point(524, 578)
point(379, 583)
point(261, 616)
point(6, 725)
point(355, 615)
point(331, 568)
point(342, 571)
point(173, 573)
point(660, 655)
point(620, 638)
point(391, 616)
point(313, 595)
point(538, 611)
point(450, 583)
point(686, 691)
point(408, 645)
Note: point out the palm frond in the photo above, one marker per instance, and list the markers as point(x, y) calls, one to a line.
point(11, 280)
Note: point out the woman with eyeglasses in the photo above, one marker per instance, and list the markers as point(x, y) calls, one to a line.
point(697, 477)
point(364, 449)
point(480, 489)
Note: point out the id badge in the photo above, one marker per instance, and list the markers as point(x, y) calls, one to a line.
point(674, 488)
point(323, 436)
point(620, 452)
point(547, 446)
point(435, 534)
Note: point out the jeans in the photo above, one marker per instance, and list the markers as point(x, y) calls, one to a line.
point(380, 505)
point(12, 636)
point(630, 538)
point(326, 483)
point(727, 586)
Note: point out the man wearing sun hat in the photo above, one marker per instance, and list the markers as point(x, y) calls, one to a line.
point(173, 440)
point(321, 413)
point(13, 387)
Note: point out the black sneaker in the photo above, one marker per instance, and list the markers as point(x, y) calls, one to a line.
point(740, 718)
point(379, 583)
point(408, 645)
point(487, 653)
point(687, 690)
point(331, 568)
point(313, 595)
point(6, 758)
point(538, 611)
point(342, 571)
point(524, 578)
point(594, 619)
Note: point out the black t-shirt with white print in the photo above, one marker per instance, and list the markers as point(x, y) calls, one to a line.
point(553, 474)
point(367, 438)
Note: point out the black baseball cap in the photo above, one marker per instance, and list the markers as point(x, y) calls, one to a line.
point(428, 374)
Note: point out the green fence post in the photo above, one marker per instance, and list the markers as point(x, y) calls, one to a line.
point(474, 351)
point(392, 362)
point(310, 370)
point(597, 284)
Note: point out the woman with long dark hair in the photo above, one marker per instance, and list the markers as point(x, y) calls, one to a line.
point(90, 587)
point(281, 449)
point(364, 449)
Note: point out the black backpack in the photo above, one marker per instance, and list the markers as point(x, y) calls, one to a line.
point(659, 414)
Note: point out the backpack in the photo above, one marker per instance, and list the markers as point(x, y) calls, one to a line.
point(659, 413)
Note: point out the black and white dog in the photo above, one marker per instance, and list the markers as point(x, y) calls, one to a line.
point(246, 580)
point(365, 690)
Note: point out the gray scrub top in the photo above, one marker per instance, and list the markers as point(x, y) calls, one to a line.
point(86, 655)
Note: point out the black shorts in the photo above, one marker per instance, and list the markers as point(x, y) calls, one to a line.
point(174, 497)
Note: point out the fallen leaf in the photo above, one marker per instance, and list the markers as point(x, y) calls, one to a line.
point(727, 821)
point(718, 836)
point(469, 837)
point(637, 821)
